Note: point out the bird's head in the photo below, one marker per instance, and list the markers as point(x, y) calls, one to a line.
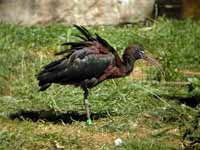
point(135, 52)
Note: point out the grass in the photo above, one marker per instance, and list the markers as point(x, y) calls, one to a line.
point(144, 116)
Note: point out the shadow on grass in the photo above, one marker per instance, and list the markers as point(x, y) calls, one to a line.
point(191, 101)
point(55, 116)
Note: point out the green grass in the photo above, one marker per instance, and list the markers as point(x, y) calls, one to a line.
point(144, 116)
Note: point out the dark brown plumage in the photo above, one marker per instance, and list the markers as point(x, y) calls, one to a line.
point(89, 62)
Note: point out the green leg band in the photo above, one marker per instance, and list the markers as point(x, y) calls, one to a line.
point(89, 122)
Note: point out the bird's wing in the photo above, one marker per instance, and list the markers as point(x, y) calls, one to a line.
point(94, 43)
point(80, 65)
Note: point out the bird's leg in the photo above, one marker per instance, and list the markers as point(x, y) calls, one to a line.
point(88, 83)
point(86, 103)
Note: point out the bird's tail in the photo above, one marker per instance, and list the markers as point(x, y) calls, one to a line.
point(43, 82)
point(43, 87)
point(50, 73)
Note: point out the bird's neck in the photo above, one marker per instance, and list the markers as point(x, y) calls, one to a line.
point(128, 65)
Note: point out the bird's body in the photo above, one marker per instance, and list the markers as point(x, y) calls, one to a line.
point(88, 63)
point(84, 66)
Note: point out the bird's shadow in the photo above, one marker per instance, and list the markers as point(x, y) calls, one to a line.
point(55, 116)
point(193, 101)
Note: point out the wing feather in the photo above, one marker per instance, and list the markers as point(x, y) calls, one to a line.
point(87, 41)
point(84, 66)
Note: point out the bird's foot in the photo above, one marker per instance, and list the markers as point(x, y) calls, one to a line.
point(89, 122)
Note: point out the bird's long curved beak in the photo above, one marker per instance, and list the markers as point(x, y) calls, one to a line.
point(154, 62)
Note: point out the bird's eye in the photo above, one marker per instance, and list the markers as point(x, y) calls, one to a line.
point(141, 53)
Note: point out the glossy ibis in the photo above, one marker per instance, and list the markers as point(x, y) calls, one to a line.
point(88, 62)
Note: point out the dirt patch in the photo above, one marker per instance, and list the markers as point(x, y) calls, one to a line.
point(139, 72)
point(43, 53)
point(103, 138)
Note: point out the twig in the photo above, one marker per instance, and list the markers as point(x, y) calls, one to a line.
point(166, 83)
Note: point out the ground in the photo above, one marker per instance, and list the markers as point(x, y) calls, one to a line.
point(145, 109)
